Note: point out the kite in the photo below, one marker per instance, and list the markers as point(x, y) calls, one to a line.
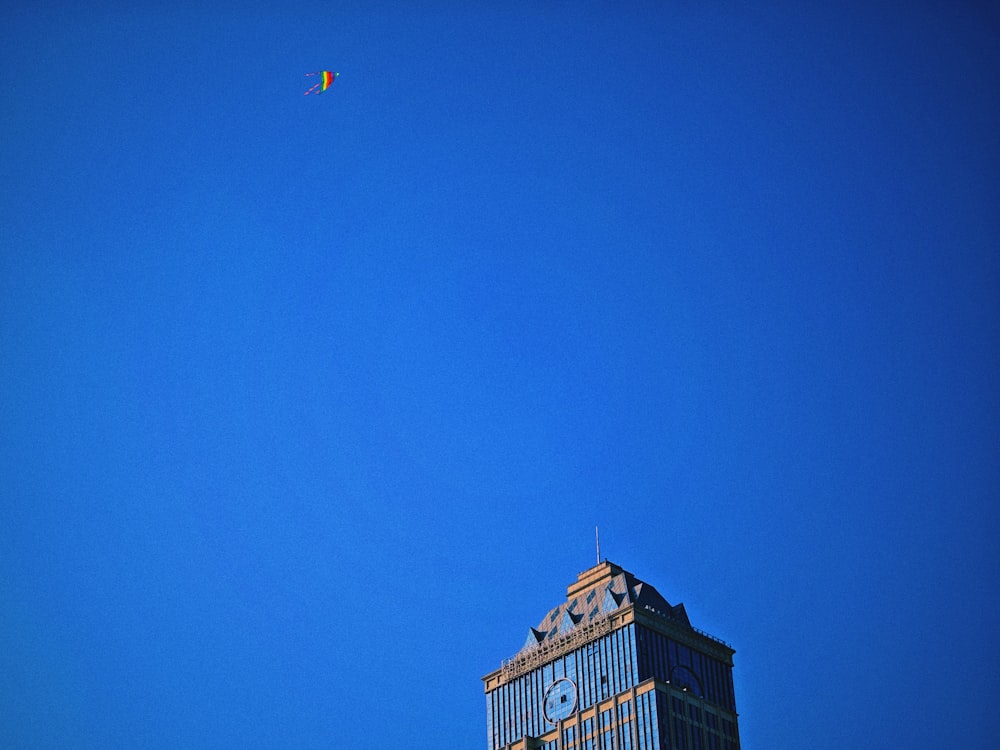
point(328, 78)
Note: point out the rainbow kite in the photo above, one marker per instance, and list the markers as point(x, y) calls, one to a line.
point(328, 78)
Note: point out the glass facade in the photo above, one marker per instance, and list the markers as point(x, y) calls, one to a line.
point(666, 659)
point(692, 723)
point(598, 670)
point(642, 680)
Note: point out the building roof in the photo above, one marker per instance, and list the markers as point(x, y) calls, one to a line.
point(596, 593)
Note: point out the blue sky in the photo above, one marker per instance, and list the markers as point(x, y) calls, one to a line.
point(309, 406)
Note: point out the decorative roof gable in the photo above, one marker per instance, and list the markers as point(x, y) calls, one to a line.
point(596, 593)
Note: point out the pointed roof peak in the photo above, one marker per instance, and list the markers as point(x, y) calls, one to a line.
point(597, 592)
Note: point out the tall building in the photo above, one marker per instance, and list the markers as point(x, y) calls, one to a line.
point(614, 667)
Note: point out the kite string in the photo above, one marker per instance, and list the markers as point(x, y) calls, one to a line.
point(318, 72)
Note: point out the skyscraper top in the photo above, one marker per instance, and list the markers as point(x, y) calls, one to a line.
point(598, 592)
point(614, 665)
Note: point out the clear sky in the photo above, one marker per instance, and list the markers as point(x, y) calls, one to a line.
point(309, 405)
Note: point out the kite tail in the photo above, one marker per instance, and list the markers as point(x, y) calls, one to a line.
point(313, 88)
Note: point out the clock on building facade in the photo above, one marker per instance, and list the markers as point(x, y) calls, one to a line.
point(560, 700)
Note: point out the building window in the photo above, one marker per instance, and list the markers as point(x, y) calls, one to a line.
point(569, 738)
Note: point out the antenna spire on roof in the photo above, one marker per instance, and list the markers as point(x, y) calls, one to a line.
point(597, 538)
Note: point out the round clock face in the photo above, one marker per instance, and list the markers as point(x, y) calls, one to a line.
point(560, 700)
